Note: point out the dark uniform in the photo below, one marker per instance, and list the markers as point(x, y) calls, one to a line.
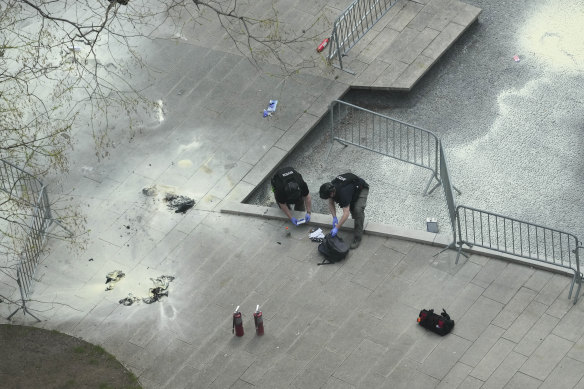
point(290, 188)
point(352, 191)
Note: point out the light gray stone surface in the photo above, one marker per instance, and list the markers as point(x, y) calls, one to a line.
point(347, 325)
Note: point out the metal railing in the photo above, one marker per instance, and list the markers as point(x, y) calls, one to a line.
point(519, 238)
point(381, 134)
point(371, 131)
point(40, 221)
point(18, 184)
point(353, 24)
point(28, 193)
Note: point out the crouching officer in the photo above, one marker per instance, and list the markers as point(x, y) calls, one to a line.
point(289, 188)
point(350, 192)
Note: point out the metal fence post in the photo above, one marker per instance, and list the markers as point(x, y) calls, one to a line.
point(577, 276)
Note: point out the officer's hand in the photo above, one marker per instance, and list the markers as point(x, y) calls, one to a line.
point(335, 222)
point(334, 231)
point(294, 221)
point(307, 217)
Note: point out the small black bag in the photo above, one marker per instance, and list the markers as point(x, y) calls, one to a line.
point(333, 248)
point(440, 324)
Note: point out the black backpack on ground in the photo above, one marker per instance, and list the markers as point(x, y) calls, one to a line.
point(440, 324)
point(333, 248)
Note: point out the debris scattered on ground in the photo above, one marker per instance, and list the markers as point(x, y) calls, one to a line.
point(122, 2)
point(160, 289)
point(316, 235)
point(154, 294)
point(131, 299)
point(112, 278)
point(150, 191)
point(181, 204)
point(176, 202)
point(271, 108)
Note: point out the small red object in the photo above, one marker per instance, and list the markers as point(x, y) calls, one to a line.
point(237, 323)
point(516, 58)
point(259, 321)
point(322, 45)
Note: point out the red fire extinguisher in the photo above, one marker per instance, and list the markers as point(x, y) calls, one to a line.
point(259, 321)
point(322, 45)
point(237, 323)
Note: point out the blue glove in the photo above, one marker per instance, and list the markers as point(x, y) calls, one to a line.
point(334, 231)
point(307, 217)
point(294, 221)
point(335, 221)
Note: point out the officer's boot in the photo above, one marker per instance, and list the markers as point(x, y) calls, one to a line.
point(359, 222)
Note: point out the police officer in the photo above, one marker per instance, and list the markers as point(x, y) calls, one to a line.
point(350, 192)
point(289, 188)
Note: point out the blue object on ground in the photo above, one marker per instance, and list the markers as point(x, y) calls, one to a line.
point(271, 108)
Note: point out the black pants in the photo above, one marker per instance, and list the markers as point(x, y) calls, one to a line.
point(358, 212)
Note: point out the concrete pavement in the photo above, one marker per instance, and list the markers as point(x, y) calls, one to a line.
point(346, 325)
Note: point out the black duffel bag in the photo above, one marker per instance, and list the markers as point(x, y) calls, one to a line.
point(440, 324)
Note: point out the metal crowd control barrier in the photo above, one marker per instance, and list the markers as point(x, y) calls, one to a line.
point(18, 184)
point(519, 238)
point(366, 129)
point(381, 134)
point(29, 193)
point(353, 24)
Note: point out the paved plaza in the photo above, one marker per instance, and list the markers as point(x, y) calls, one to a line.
point(346, 325)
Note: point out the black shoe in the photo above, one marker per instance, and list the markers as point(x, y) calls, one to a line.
point(355, 244)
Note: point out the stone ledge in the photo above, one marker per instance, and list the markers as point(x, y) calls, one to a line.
point(423, 237)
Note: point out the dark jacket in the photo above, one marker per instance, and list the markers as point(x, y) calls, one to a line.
point(288, 186)
point(347, 188)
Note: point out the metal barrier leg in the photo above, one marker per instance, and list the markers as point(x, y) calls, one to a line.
point(429, 182)
point(332, 143)
point(24, 310)
point(330, 149)
point(436, 186)
point(451, 245)
point(62, 226)
point(572, 286)
point(460, 252)
point(23, 306)
point(343, 69)
point(341, 142)
point(579, 277)
point(577, 274)
point(578, 291)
